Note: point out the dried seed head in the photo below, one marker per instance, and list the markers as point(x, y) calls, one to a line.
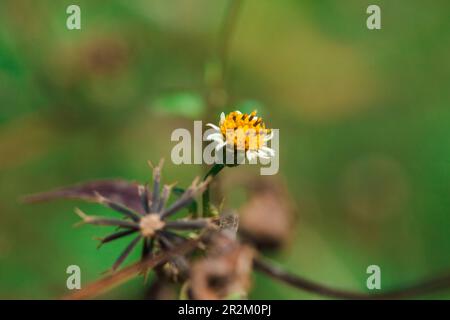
point(268, 218)
point(145, 214)
point(150, 224)
point(224, 272)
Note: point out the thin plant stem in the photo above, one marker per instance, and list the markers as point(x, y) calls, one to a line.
point(216, 86)
point(425, 287)
point(268, 268)
point(206, 201)
point(226, 34)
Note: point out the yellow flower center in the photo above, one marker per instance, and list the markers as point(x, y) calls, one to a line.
point(244, 131)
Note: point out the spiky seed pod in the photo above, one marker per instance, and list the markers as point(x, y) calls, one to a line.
point(152, 227)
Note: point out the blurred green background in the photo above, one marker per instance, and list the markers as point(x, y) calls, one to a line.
point(364, 119)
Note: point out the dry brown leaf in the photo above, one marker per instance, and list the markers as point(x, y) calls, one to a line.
point(225, 272)
point(120, 191)
point(267, 219)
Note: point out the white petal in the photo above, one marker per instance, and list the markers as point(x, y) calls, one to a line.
point(268, 137)
point(214, 137)
point(268, 150)
point(218, 140)
point(213, 126)
point(261, 153)
point(222, 117)
point(238, 112)
point(220, 146)
point(263, 157)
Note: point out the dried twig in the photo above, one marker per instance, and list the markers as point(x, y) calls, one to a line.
point(265, 266)
point(107, 283)
point(425, 287)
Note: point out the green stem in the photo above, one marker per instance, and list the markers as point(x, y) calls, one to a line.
point(215, 169)
point(218, 83)
point(226, 34)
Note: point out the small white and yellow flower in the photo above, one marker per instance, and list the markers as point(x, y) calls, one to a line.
point(241, 132)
